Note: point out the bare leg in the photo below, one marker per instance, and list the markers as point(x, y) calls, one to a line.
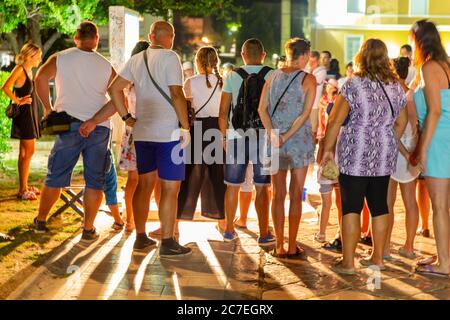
point(130, 188)
point(392, 196)
point(92, 200)
point(423, 199)
point(231, 203)
point(278, 198)
point(298, 177)
point(337, 192)
point(439, 191)
point(168, 207)
point(141, 200)
point(325, 212)
point(412, 214)
point(245, 199)
point(351, 232)
point(365, 224)
point(262, 204)
point(49, 196)
point(157, 189)
point(116, 213)
point(26, 151)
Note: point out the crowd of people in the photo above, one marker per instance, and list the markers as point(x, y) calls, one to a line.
point(385, 124)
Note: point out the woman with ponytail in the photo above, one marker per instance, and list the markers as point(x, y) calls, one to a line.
point(25, 126)
point(203, 90)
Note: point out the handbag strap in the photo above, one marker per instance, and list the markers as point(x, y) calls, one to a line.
point(210, 97)
point(387, 96)
point(284, 92)
point(154, 82)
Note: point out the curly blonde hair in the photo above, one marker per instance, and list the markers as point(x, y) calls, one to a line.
point(372, 61)
point(206, 58)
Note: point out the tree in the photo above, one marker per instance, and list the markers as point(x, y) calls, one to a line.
point(23, 20)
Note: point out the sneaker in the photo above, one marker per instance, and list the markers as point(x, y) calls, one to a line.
point(173, 249)
point(116, 227)
point(143, 245)
point(267, 240)
point(229, 236)
point(39, 226)
point(89, 236)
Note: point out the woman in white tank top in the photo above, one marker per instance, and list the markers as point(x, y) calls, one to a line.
point(203, 90)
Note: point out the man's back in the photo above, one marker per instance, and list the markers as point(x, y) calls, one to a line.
point(81, 82)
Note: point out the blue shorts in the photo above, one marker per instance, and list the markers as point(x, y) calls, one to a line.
point(166, 157)
point(67, 150)
point(238, 160)
point(110, 189)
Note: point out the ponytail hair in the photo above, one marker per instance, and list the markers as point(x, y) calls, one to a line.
point(28, 50)
point(207, 58)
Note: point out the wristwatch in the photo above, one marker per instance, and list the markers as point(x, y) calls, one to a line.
point(126, 117)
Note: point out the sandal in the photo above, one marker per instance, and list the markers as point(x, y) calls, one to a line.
point(28, 195)
point(129, 227)
point(239, 227)
point(340, 270)
point(405, 254)
point(319, 237)
point(35, 190)
point(5, 238)
point(157, 233)
point(299, 254)
point(335, 245)
point(367, 264)
point(274, 254)
point(429, 271)
point(424, 233)
point(117, 227)
point(427, 261)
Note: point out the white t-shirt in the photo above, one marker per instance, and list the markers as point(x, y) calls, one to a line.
point(81, 80)
point(156, 117)
point(196, 88)
point(321, 75)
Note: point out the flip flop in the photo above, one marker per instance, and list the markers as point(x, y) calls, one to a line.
point(274, 254)
point(240, 227)
point(407, 255)
point(427, 261)
point(428, 271)
point(335, 246)
point(340, 270)
point(35, 190)
point(367, 264)
point(299, 254)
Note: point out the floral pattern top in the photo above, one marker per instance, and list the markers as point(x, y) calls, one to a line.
point(366, 145)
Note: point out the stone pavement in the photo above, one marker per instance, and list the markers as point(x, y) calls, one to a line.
point(216, 270)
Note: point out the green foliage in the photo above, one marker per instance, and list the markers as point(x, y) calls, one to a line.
point(5, 122)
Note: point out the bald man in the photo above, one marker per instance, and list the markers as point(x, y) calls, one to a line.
point(160, 108)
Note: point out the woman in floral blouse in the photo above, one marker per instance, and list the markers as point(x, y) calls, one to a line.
point(367, 148)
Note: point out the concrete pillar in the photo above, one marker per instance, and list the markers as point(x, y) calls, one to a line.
point(285, 23)
point(123, 36)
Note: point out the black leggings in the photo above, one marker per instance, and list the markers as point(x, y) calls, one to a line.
point(373, 189)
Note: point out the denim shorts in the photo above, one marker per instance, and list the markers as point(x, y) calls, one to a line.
point(166, 157)
point(110, 189)
point(67, 150)
point(238, 159)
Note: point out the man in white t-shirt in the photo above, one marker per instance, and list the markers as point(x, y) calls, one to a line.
point(160, 107)
point(320, 72)
point(82, 76)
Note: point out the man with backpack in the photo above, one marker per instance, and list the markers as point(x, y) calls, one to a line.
point(239, 121)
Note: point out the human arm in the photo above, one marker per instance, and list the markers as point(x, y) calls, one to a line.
point(45, 73)
point(337, 117)
point(309, 87)
point(11, 82)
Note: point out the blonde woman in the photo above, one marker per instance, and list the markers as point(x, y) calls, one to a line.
point(25, 126)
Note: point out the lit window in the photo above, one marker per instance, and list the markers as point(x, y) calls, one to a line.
point(356, 6)
point(418, 7)
point(352, 45)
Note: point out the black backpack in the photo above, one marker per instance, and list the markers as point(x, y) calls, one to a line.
point(245, 112)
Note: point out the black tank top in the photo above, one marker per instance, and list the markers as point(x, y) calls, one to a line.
point(27, 87)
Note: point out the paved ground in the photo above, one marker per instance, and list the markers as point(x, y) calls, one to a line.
point(216, 270)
